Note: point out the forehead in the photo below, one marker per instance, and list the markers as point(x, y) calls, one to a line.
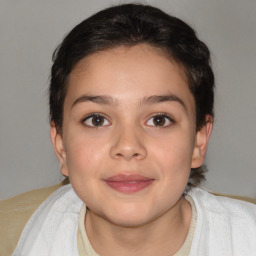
point(139, 71)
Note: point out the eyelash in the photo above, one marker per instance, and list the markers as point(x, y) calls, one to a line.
point(94, 115)
point(164, 115)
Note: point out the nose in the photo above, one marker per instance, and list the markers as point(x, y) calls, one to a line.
point(128, 144)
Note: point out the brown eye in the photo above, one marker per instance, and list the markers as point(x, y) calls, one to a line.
point(96, 120)
point(160, 121)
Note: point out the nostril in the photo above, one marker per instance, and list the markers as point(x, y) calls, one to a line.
point(127, 149)
point(127, 155)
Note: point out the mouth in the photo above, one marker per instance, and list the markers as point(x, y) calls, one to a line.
point(128, 183)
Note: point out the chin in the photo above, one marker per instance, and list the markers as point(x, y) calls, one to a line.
point(130, 217)
point(130, 222)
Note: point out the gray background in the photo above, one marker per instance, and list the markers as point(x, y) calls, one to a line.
point(30, 31)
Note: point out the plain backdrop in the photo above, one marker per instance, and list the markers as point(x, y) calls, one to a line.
point(31, 30)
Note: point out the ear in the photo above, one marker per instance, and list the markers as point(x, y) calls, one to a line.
point(201, 142)
point(58, 145)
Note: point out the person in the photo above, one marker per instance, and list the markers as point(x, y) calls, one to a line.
point(131, 111)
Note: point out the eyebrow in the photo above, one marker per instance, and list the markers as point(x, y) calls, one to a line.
point(108, 100)
point(162, 98)
point(99, 99)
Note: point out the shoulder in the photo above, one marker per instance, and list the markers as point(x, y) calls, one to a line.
point(225, 225)
point(235, 207)
point(14, 214)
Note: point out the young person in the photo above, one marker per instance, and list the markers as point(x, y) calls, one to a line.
point(131, 110)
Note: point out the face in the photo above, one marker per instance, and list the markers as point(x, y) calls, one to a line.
point(129, 138)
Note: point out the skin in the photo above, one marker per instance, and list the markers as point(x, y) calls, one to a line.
point(128, 141)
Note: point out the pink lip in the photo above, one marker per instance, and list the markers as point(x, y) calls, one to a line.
point(128, 183)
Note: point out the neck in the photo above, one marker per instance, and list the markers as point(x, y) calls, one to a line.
point(161, 236)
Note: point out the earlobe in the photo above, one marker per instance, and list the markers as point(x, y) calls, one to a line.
point(57, 142)
point(201, 142)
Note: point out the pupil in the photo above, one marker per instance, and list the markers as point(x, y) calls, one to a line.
point(159, 120)
point(97, 120)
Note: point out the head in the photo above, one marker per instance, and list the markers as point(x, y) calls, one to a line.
point(127, 27)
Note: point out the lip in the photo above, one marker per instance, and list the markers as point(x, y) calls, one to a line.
point(128, 183)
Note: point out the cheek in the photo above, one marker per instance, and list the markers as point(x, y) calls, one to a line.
point(84, 155)
point(85, 158)
point(174, 156)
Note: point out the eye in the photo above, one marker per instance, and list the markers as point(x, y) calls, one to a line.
point(96, 120)
point(160, 120)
